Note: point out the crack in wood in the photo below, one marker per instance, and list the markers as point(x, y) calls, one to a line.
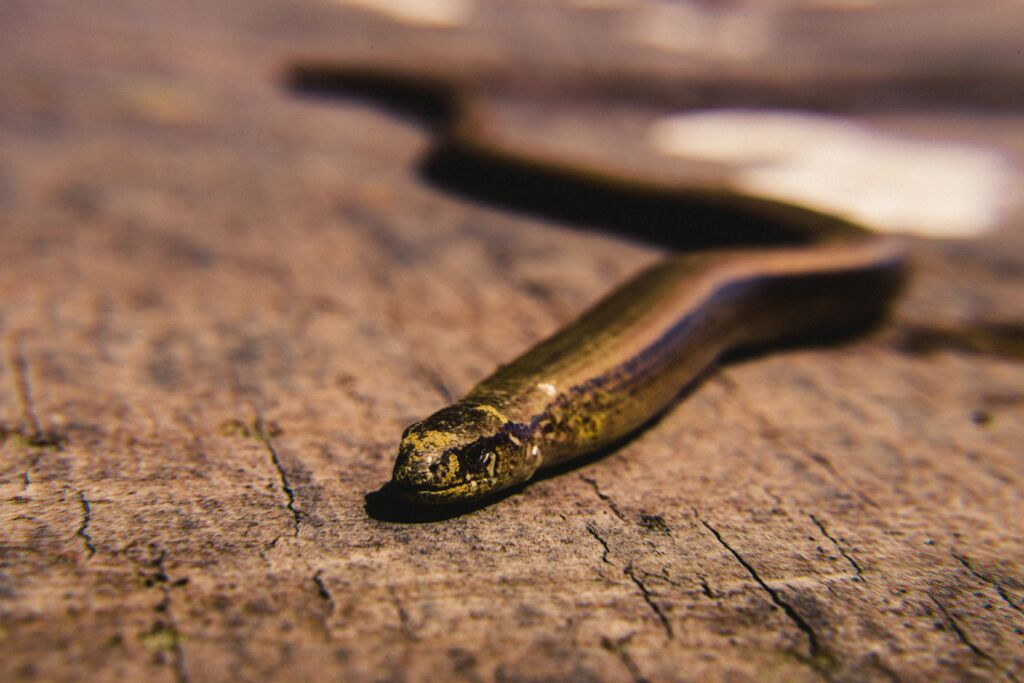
point(628, 570)
point(286, 487)
point(649, 599)
point(827, 465)
point(819, 655)
point(604, 544)
point(620, 647)
point(989, 580)
point(662, 576)
point(167, 636)
point(83, 529)
point(962, 636)
point(604, 497)
point(842, 551)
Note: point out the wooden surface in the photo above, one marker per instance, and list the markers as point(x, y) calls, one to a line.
point(221, 302)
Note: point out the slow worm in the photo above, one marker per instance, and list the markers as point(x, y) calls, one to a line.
point(625, 360)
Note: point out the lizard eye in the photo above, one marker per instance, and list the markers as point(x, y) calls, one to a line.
point(477, 458)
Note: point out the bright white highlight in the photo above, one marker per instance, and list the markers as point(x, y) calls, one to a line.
point(888, 183)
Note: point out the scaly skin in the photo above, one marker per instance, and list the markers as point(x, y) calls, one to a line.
point(626, 359)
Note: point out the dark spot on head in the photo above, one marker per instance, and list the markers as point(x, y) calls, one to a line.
point(476, 457)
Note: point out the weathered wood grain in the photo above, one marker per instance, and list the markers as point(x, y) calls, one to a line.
point(220, 304)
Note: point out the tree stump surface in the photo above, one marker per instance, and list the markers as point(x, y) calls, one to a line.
point(221, 302)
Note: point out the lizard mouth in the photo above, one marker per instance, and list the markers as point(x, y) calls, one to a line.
point(458, 493)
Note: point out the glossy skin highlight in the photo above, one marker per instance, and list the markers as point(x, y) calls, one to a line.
point(627, 358)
